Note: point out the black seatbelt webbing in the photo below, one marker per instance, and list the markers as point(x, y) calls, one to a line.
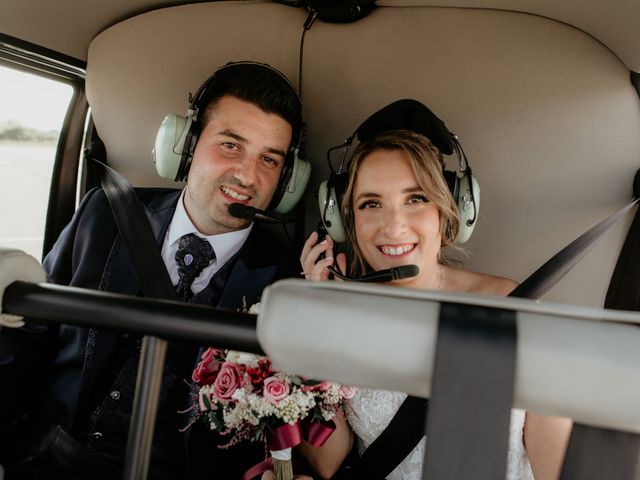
point(474, 372)
point(155, 282)
point(396, 442)
point(467, 346)
point(596, 453)
point(624, 288)
point(554, 269)
point(138, 237)
point(600, 453)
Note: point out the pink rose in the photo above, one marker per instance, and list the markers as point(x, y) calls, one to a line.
point(208, 368)
point(275, 390)
point(348, 392)
point(316, 387)
point(227, 381)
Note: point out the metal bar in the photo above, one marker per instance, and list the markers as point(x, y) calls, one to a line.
point(167, 319)
point(197, 324)
point(145, 407)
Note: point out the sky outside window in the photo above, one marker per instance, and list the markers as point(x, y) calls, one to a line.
point(32, 110)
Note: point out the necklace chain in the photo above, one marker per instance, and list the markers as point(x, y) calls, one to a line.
point(441, 277)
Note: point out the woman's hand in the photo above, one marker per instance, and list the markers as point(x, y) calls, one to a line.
point(314, 269)
point(327, 459)
point(268, 475)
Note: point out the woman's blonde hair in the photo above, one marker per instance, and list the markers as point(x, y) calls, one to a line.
point(427, 165)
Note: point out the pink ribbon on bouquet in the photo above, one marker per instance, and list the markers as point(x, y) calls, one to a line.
point(288, 436)
point(258, 469)
point(285, 436)
point(316, 433)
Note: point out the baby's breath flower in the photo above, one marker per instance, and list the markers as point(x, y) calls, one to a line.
point(283, 377)
point(239, 394)
point(260, 406)
point(240, 414)
point(289, 411)
point(331, 395)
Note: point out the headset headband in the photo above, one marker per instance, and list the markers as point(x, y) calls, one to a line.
point(408, 115)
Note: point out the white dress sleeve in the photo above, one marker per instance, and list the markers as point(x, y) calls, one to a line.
point(370, 411)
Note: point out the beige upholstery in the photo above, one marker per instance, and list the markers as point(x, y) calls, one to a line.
point(176, 50)
point(546, 113)
point(614, 23)
point(67, 26)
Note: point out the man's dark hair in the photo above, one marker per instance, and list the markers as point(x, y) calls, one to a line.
point(258, 84)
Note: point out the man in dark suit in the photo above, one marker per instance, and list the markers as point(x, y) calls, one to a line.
point(237, 147)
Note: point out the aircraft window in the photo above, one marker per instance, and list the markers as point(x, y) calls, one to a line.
point(32, 112)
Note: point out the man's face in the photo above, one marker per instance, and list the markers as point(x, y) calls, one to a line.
point(238, 159)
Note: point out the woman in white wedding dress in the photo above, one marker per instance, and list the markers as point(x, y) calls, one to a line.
point(397, 210)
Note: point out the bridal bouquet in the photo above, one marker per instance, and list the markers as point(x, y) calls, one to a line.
point(243, 397)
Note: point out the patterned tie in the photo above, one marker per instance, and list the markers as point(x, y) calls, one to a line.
point(194, 254)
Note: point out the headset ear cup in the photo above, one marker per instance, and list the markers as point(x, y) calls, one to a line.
point(330, 211)
point(468, 206)
point(299, 178)
point(169, 144)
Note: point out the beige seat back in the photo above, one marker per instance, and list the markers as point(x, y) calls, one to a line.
point(546, 113)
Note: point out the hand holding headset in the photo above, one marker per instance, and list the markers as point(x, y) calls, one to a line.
point(177, 137)
point(403, 115)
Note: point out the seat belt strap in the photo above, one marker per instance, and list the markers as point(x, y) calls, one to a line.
point(624, 288)
point(593, 452)
point(396, 442)
point(598, 453)
point(155, 282)
point(554, 269)
point(137, 236)
point(472, 394)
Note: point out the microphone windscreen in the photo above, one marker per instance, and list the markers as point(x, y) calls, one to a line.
point(404, 271)
point(239, 210)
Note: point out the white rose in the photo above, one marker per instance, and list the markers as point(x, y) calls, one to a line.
point(243, 358)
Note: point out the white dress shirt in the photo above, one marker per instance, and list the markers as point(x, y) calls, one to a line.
point(225, 246)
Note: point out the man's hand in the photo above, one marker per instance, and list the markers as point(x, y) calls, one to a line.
point(16, 265)
point(268, 475)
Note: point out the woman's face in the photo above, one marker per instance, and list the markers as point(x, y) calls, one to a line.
point(395, 223)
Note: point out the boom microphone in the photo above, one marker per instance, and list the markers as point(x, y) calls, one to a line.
point(247, 212)
point(382, 276)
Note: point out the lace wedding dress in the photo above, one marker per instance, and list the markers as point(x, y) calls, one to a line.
point(370, 411)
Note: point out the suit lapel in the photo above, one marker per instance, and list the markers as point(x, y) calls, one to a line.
point(119, 276)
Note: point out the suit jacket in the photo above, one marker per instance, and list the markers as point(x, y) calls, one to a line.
point(89, 254)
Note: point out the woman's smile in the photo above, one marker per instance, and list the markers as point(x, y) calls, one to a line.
point(397, 250)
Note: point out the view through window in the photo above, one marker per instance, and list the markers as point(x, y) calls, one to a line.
point(32, 110)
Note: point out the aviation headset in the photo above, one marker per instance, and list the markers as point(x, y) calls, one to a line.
point(416, 117)
point(177, 137)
